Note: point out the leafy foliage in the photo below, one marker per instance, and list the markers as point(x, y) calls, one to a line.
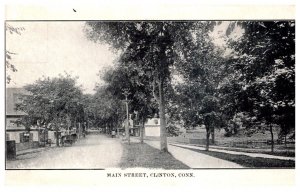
point(150, 49)
point(8, 54)
point(265, 59)
point(253, 85)
point(52, 101)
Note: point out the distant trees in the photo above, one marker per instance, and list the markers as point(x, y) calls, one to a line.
point(130, 78)
point(108, 110)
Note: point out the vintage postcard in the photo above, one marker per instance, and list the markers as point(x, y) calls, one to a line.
point(132, 98)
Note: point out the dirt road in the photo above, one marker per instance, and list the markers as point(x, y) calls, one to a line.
point(92, 152)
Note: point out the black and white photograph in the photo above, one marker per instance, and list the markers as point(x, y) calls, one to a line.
point(150, 94)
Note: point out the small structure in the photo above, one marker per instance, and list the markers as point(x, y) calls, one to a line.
point(152, 127)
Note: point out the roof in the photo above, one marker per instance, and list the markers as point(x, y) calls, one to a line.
point(152, 122)
point(12, 95)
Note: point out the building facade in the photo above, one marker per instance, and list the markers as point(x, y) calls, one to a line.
point(14, 130)
point(152, 127)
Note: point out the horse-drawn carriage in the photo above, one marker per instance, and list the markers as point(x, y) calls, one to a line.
point(68, 136)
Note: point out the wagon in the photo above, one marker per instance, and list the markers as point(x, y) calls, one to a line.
point(69, 139)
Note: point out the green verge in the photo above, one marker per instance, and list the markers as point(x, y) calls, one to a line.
point(249, 162)
point(142, 155)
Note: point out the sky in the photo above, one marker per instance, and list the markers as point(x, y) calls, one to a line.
point(52, 48)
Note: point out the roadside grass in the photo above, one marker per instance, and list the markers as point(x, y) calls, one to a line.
point(281, 153)
point(142, 155)
point(249, 162)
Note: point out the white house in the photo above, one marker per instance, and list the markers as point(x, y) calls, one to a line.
point(152, 127)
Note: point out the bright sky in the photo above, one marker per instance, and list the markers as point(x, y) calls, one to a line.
point(50, 48)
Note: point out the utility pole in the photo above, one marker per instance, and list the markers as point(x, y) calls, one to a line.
point(126, 93)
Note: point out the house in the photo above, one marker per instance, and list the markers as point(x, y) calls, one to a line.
point(23, 138)
point(152, 127)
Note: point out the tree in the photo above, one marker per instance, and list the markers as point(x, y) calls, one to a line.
point(52, 101)
point(151, 46)
point(107, 110)
point(88, 106)
point(123, 77)
point(264, 58)
point(9, 54)
point(198, 94)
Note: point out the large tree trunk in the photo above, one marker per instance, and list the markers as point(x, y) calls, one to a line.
point(207, 139)
point(142, 128)
point(272, 138)
point(163, 135)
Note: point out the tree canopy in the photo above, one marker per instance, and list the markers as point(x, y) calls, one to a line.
point(53, 101)
point(253, 83)
point(152, 48)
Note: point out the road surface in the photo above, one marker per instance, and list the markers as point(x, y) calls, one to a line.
point(101, 152)
point(92, 152)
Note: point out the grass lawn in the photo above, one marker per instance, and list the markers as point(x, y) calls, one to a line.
point(250, 162)
point(282, 153)
point(142, 155)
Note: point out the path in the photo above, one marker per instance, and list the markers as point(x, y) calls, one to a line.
point(237, 153)
point(194, 159)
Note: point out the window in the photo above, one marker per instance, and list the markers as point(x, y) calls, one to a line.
point(15, 122)
point(25, 137)
point(16, 97)
point(12, 122)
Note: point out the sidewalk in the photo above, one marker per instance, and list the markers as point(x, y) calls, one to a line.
point(191, 158)
point(240, 149)
point(235, 152)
